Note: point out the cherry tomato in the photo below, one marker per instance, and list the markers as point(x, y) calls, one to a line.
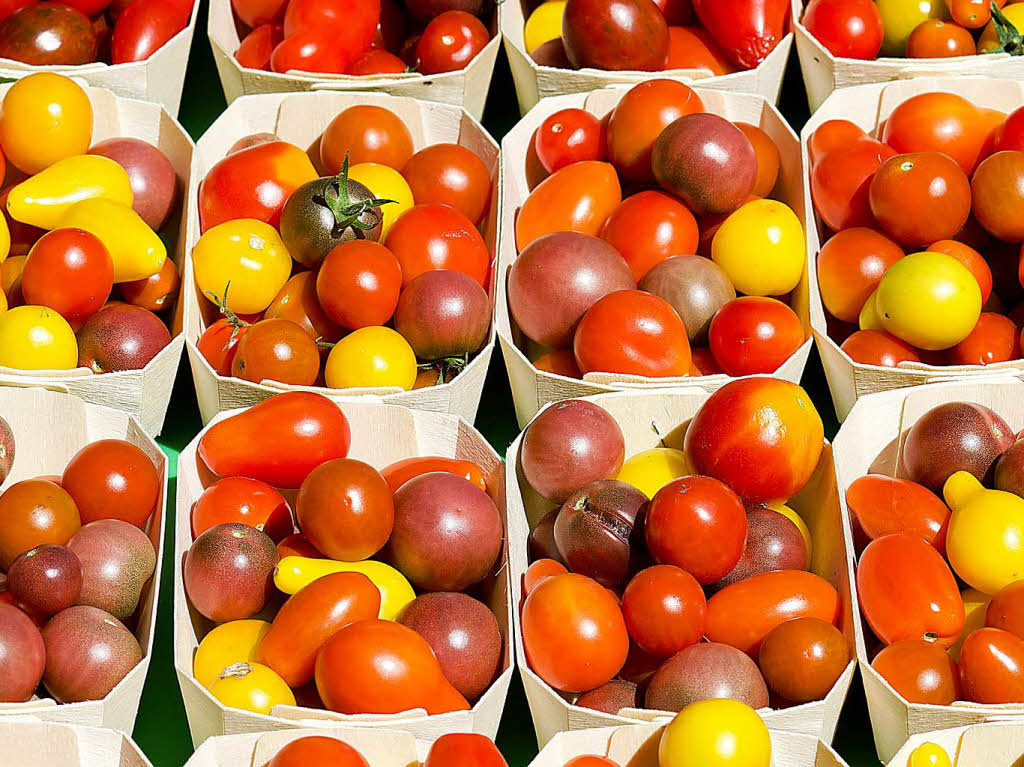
point(633, 333)
point(457, 749)
point(972, 14)
point(970, 258)
point(936, 39)
point(590, 761)
point(768, 158)
point(938, 122)
point(694, 48)
point(258, 46)
point(70, 271)
point(647, 228)
point(144, 27)
point(112, 479)
point(36, 338)
point(850, 29)
point(538, 571)
point(251, 687)
point(377, 62)
point(297, 302)
point(992, 667)
point(803, 658)
point(397, 474)
point(365, 133)
point(240, 499)
point(450, 41)
point(998, 195)
point(638, 120)
point(716, 733)
point(577, 198)
point(850, 266)
point(676, 12)
point(568, 136)
point(1010, 134)
point(752, 334)
point(318, 750)
point(354, 22)
point(156, 292)
point(450, 174)
point(33, 512)
point(44, 117)
point(994, 339)
point(276, 350)
point(1006, 609)
point(373, 357)
point(358, 284)
point(920, 671)
point(664, 609)
point(840, 182)
point(907, 591)
point(833, 134)
point(884, 505)
point(219, 344)
point(431, 237)
point(876, 347)
point(574, 633)
point(561, 362)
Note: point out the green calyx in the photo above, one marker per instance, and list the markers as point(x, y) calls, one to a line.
point(347, 212)
point(1010, 39)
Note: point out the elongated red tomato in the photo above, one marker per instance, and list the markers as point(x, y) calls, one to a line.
point(400, 472)
point(884, 505)
point(577, 198)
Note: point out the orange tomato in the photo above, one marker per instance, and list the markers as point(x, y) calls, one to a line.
point(840, 182)
point(240, 499)
point(768, 158)
point(884, 505)
point(936, 39)
point(316, 750)
point(694, 48)
point(970, 258)
point(833, 134)
point(400, 472)
point(938, 122)
point(33, 512)
point(648, 227)
point(850, 266)
point(992, 667)
point(577, 198)
point(538, 571)
point(920, 671)
point(461, 749)
point(994, 339)
point(876, 347)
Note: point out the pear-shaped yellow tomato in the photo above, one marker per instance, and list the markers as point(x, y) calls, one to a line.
point(228, 644)
point(36, 338)
point(900, 17)
point(544, 24)
point(975, 608)
point(136, 250)
point(43, 200)
point(373, 357)
point(251, 687)
point(386, 183)
point(985, 539)
point(652, 469)
point(929, 755)
point(930, 300)
point(241, 263)
point(869, 319)
point(715, 733)
point(989, 40)
point(761, 248)
point(44, 118)
point(797, 520)
point(293, 574)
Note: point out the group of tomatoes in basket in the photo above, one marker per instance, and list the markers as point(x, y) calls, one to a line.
point(451, 750)
point(359, 264)
point(924, 225)
point(674, 576)
point(645, 282)
point(361, 37)
point(87, 281)
point(383, 580)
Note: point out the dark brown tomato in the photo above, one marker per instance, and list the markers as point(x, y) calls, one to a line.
point(47, 34)
point(443, 314)
point(22, 655)
point(773, 543)
point(117, 560)
point(228, 572)
point(801, 659)
point(695, 287)
point(277, 350)
point(615, 34)
point(541, 544)
point(704, 671)
point(1009, 474)
point(552, 54)
point(612, 697)
point(46, 579)
point(154, 182)
point(297, 301)
point(155, 293)
point(121, 337)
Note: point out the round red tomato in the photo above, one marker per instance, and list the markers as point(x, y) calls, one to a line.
point(144, 27)
point(431, 237)
point(577, 198)
point(648, 227)
point(920, 671)
point(219, 344)
point(68, 270)
point(568, 136)
point(633, 333)
point(449, 174)
point(938, 39)
point(316, 750)
point(240, 499)
point(849, 29)
point(1010, 134)
point(460, 749)
point(358, 284)
point(664, 609)
point(450, 41)
point(753, 334)
point(840, 182)
point(876, 347)
point(994, 339)
point(992, 667)
point(112, 479)
point(365, 133)
point(938, 122)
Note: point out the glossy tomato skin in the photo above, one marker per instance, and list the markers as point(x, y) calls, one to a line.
point(847, 28)
point(876, 347)
point(998, 194)
point(354, 20)
point(907, 591)
point(970, 258)
point(71, 271)
point(664, 609)
point(297, 302)
point(318, 750)
point(145, 26)
point(994, 339)
point(457, 749)
point(219, 344)
point(310, 50)
point(277, 350)
point(992, 667)
point(450, 41)
point(568, 136)
point(754, 334)
point(365, 133)
point(258, 46)
point(240, 499)
point(920, 671)
point(935, 38)
point(33, 512)
point(694, 48)
point(450, 174)
point(883, 505)
point(578, 198)
point(633, 333)
point(253, 13)
point(574, 633)
point(400, 472)
point(1010, 134)
point(748, 32)
point(803, 658)
point(431, 237)
point(850, 266)
point(742, 614)
point(301, 430)
point(938, 122)
point(648, 227)
point(833, 134)
point(358, 284)
point(841, 180)
point(48, 34)
point(112, 479)
point(621, 34)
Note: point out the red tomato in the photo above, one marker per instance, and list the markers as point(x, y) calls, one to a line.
point(298, 545)
point(318, 750)
point(994, 339)
point(432, 237)
point(1010, 134)
point(664, 609)
point(239, 499)
point(699, 525)
point(850, 266)
point(590, 761)
point(352, 24)
point(833, 134)
point(568, 136)
point(849, 29)
point(938, 122)
point(258, 46)
point(970, 258)
point(992, 667)
point(70, 271)
point(633, 333)
point(144, 27)
point(694, 48)
point(365, 133)
point(311, 50)
point(743, 613)
point(1006, 610)
point(648, 227)
point(747, 31)
point(920, 671)
point(676, 12)
point(460, 749)
point(358, 284)
point(112, 479)
point(884, 505)
point(449, 174)
point(397, 474)
point(907, 591)
point(574, 633)
point(577, 198)
point(254, 13)
point(7, 7)
point(753, 334)
point(377, 62)
point(219, 343)
point(841, 180)
point(450, 41)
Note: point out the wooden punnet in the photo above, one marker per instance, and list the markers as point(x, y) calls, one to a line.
point(47, 744)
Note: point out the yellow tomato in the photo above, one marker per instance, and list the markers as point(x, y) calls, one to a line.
point(373, 357)
point(5, 239)
point(975, 608)
point(900, 17)
point(929, 755)
point(930, 300)
point(989, 40)
point(136, 250)
point(243, 263)
point(43, 199)
point(386, 183)
point(869, 319)
point(761, 248)
point(12, 268)
point(293, 574)
point(226, 645)
point(652, 469)
point(544, 24)
point(715, 733)
point(251, 687)
point(3, 302)
point(985, 539)
point(44, 118)
point(797, 520)
point(36, 338)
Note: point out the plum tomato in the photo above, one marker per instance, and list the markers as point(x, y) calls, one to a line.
point(449, 42)
point(71, 271)
point(318, 750)
point(538, 571)
point(240, 499)
point(850, 266)
point(664, 609)
point(449, 174)
point(457, 749)
point(841, 180)
point(311, 50)
point(883, 505)
point(907, 591)
point(577, 198)
point(365, 133)
point(920, 671)
point(33, 512)
point(113, 479)
point(695, 48)
point(831, 135)
point(752, 334)
point(257, 47)
point(697, 524)
point(649, 227)
point(994, 339)
point(938, 122)
point(434, 236)
point(992, 667)
point(144, 27)
point(358, 284)
point(1006, 609)
point(568, 136)
point(849, 29)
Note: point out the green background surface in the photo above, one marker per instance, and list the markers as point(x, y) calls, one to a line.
point(162, 729)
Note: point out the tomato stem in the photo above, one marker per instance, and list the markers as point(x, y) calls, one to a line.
point(236, 322)
point(1010, 39)
point(346, 212)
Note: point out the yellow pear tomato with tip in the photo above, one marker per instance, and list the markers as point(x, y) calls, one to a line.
point(44, 199)
point(136, 250)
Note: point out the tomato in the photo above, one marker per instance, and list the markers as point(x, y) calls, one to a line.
point(371, 357)
point(305, 430)
point(450, 174)
point(457, 749)
point(277, 350)
point(7, 7)
point(538, 571)
point(144, 27)
point(751, 335)
point(989, 41)
point(590, 761)
point(225, 645)
point(241, 265)
point(920, 671)
point(1010, 134)
point(44, 117)
point(832, 135)
point(850, 266)
point(400, 472)
point(992, 667)
point(633, 333)
point(929, 754)
point(543, 25)
point(68, 270)
point(934, 38)
point(907, 591)
point(971, 14)
point(560, 362)
point(297, 545)
point(311, 617)
point(365, 133)
point(650, 470)
point(641, 115)
point(876, 347)
point(358, 284)
point(450, 42)
point(382, 667)
point(647, 228)
point(315, 750)
point(219, 344)
point(36, 338)
point(297, 302)
point(386, 184)
point(883, 505)
point(840, 182)
point(574, 633)
point(716, 733)
point(920, 198)
point(433, 237)
point(937, 122)
point(33, 512)
point(577, 198)
point(377, 62)
point(971, 259)
point(802, 659)
point(156, 292)
point(568, 136)
point(850, 29)
point(998, 195)
point(253, 13)
point(761, 248)
point(251, 687)
point(747, 31)
point(112, 479)
point(994, 339)
point(664, 609)
point(239, 499)
point(767, 158)
point(311, 50)
point(694, 48)
point(1006, 609)
point(900, 18)
point(676, 12)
